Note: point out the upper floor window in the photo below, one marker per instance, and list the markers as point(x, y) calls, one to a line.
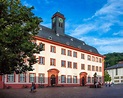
point(116, 71)
point(89, 58)
point(100, 60)
point(75, 65)
point(93, 68)
point(63, 51)
point(82, 56)
point(96, 68)
point(89, 67)
point(53, 49)
point(41, 60)
point(96, 59)
point(63, 63)
point(69, 64)
point(52, 62)
point(100, 69)
point(42, 46)
point(75, 54)
point(93, 58)
point(69, 53)
point(83, 66)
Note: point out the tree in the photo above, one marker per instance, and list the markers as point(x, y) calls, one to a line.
point(107, 77)
point(18, 26)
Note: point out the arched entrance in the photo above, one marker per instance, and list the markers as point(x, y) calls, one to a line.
point(53, 77)
point(83, 76)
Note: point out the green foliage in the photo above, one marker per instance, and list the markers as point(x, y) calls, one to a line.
point(112, 59)
point(18, 26)
point(107, 77)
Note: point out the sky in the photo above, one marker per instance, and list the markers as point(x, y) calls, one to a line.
point(99, 23)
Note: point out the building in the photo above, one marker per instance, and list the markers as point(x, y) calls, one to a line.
point(116, 73)
point(64, 61)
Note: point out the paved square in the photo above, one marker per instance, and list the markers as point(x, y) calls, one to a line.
point(65, 92)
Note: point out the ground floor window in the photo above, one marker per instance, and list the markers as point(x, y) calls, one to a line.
point(69, 79)
point(74, 79)
point(10, 78)
point(32, 77)
point(22, 77)
point(63, 79)
point(89, 79)
point(41, 78)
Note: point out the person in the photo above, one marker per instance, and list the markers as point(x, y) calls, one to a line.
point(33, 87)
point(83, 81)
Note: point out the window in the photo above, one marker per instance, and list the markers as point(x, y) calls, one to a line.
point(89, 79)
point(92, 79)
point(69, 64)
point(83, 66)
point(93, 68)
point(11, 78)
point(100, 79)
point(74, 79)
point(75, 54)
point(89, 58)
point(116, 71)
point(60, 24)
point(41, 60)
point(93, 58)
point(52, 62)
point(63, 63)
point(82, 56)
point(32, 77)
point(41, 78)
point(69, 53)
point(69, 79)
point(42, 46)
point(63, 51)
point(96, 68)
point(22, 77)
point(53, 49)
point(100, 69)
point(75, 65)
point(63, 79)
point(89, 67)
point(100, 61)
point(96, 59)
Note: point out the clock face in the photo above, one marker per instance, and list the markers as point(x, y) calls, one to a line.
point(54, 19)
point(61, 20)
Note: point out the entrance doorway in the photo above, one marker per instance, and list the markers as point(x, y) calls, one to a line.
point(53, 77)
point(53, 80)
point(83, 76)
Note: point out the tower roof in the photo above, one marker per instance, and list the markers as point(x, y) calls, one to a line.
point(58, 14)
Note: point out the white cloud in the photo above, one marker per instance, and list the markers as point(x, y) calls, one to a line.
point(105, 45)
point(103, 19)
point(83, 29)
point(27, 4)
point(118, 33)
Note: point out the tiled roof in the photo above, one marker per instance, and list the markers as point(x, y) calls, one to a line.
point(48, 33)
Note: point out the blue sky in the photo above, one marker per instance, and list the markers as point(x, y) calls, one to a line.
point(97, 22)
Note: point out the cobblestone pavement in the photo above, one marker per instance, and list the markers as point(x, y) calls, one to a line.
point(65, 92)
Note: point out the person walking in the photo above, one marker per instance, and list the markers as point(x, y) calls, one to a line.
point(33, 87)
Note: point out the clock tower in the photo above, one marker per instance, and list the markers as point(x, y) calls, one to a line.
point(58, 23)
